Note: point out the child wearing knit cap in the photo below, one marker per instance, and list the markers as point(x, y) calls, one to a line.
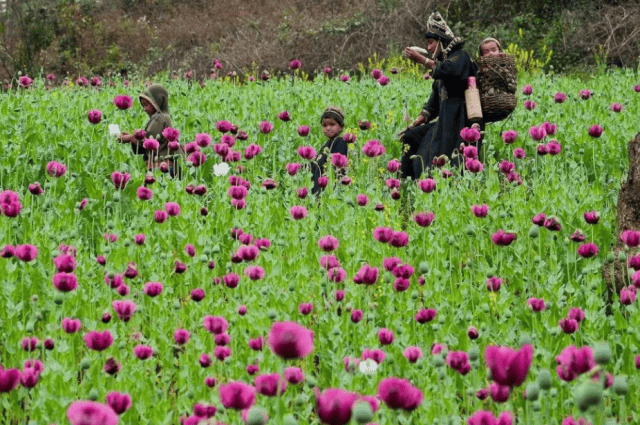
point(490, 47)
point(332, 121)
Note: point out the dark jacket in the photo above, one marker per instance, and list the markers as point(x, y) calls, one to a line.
point(447, 104)
point(337, 144)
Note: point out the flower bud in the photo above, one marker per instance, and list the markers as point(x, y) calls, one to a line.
point(544, 379)
point(533, 392)
point(289, 419)
point(525, 339)
point(602, 353)
point(362, 412)
point(589, 394)
point(474, 354)
point(620, 386)
point(534, 231)
point(256, 416)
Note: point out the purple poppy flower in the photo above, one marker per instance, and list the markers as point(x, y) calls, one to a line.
point(509, 367)
point(94, 116)
point(91, 413)
point(399, 394)
point(98, 341)
point(119, 402)
point(143, 352)
point(509, 136)
point(588, 250)
point(595, 131)
point(290, 340)
point(334, 405)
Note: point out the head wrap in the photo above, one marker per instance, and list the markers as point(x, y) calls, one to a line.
point(437, 28)
point(488, 40)
point(335, 113)
point(158, 96)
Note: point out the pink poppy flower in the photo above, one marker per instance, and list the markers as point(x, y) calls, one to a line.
point(427, 185)
point(290, 340)
point(142, 352)
point(509, 367)
point(383, 80)
point(373, 148)
point(470, 135)
point(503, 238)
point(399, 394)
point(94, 116)
point(295, 64)
point(119, 402)
point(122, 102)
point(334, 405)
point(595, 131)
point(89, 412)
point(284, 116)
point(98, 341)
point(616, 107)
point(509, 136)
point(306, 152)
point(519, 153)
point(527, 90)
point(559, 97)
point(424, 219)
point(480, 211)
point(366, 275)
point(328, 243)
point(536, 304)
point(120, 180)
point(124, 309)
point(425, 315)
point(265, 127)
point(56, 169)
point(588, 250)
point(26, 252)
point(303, 130)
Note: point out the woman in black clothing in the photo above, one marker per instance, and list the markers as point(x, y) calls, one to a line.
point(425, 139)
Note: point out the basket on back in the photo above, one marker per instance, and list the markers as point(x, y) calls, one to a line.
point(497, 78)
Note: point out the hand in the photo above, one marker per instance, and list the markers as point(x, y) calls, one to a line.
point(414, 56)
point(122, 137)
point(418, 121)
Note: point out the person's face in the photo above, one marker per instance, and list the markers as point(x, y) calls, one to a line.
point(490, 49)
point(148, 107)
point(432, 46)
point(330, 127)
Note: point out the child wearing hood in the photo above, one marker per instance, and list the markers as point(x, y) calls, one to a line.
point(155, 102)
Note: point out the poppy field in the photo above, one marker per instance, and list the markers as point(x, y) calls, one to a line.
point(233, 295)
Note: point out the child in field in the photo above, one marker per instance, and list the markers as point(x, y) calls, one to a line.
point(332, 121)
point(155, 102)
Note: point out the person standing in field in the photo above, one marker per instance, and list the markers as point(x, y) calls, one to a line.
point(426, 139)
point(155, 102)
point(332, 121)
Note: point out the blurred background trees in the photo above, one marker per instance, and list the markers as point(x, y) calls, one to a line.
point(143, 37)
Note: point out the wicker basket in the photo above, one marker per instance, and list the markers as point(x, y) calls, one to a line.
point(497, 78)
